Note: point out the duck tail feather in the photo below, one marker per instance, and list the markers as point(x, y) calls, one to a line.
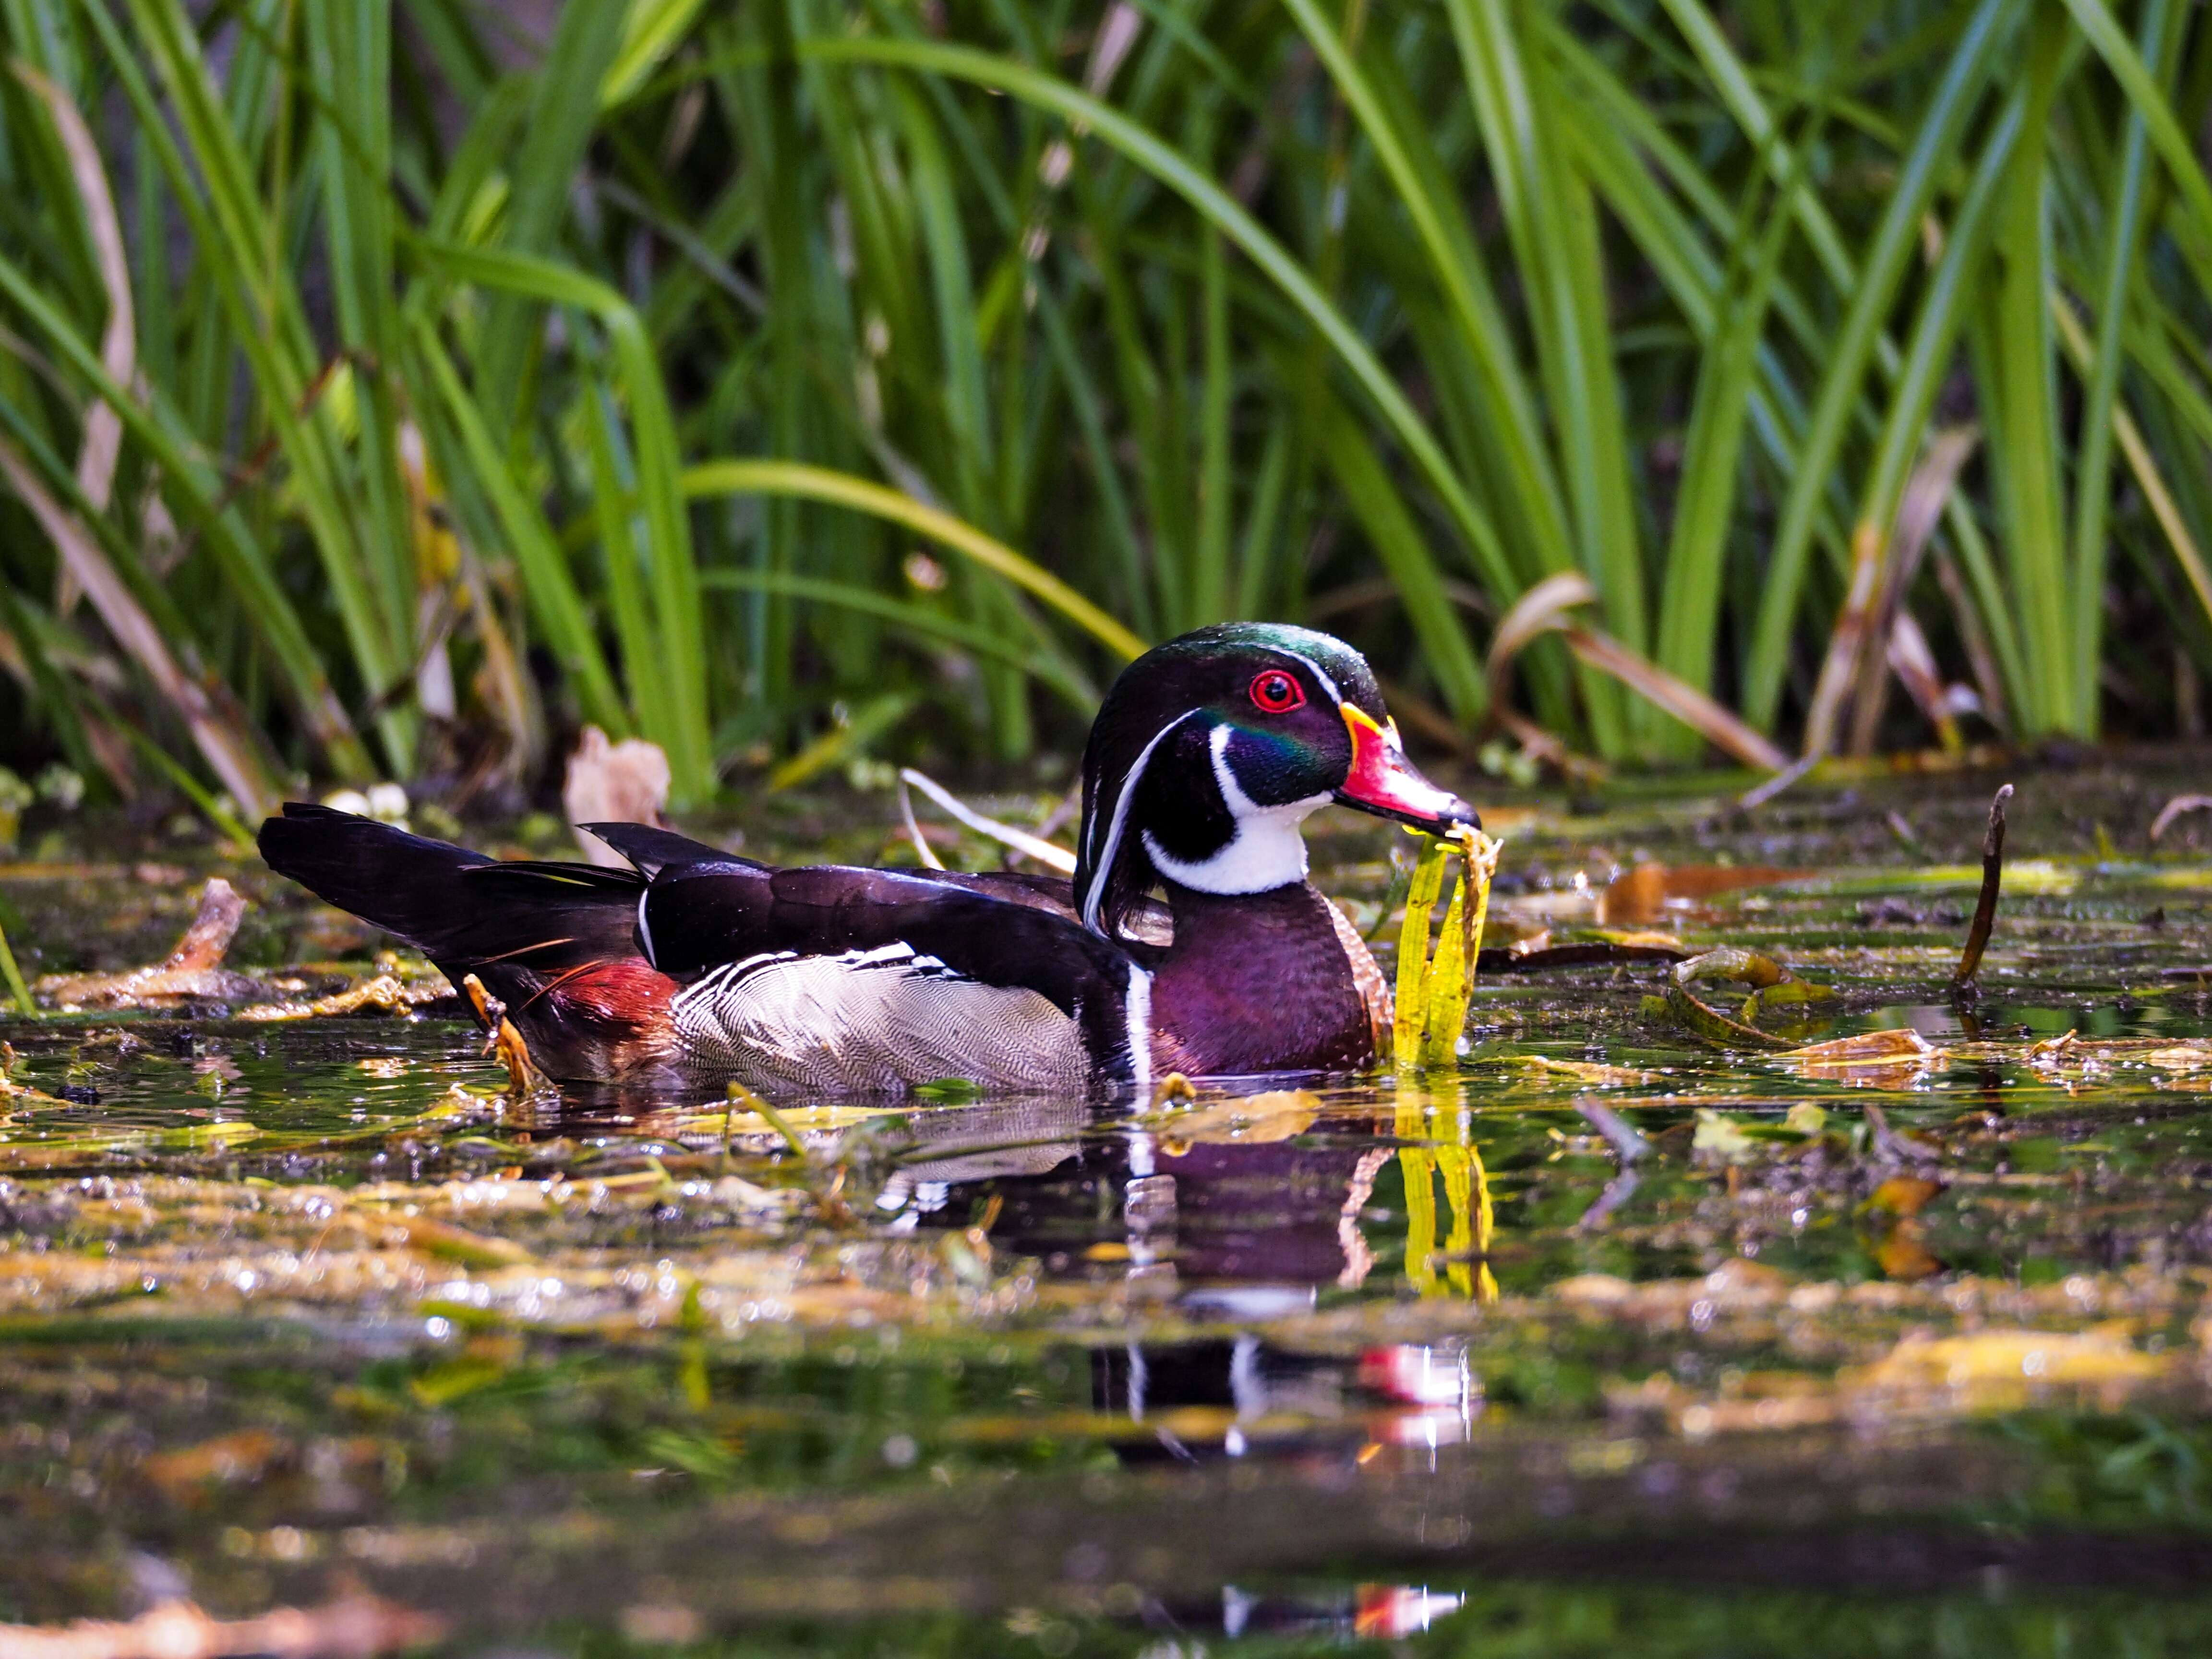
point(462, 908)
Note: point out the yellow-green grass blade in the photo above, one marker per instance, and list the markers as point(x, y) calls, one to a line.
point(269, 325)
point(799, 481)
point(919, 620)
point(186, 477)
point(14, 976)
point(613, 504)
point(2020, 398)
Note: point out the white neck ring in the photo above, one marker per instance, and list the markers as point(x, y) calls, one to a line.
point(1266, 850)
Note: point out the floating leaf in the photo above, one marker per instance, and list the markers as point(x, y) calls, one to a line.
point(1722, 1137)
point(1277, 1115)
point(1905, 1255)
point(2004, 1370)
point(1805, 1119)
point(1904, 1195)
point(1888, 1058)
point(1588, 1073)
point(1729, 962)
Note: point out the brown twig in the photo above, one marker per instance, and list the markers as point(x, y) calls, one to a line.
point(1754, 799)
point(2174, 808)
point(1985, 906)
point(193, 970)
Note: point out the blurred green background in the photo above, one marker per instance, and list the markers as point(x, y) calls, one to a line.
point(390, 387)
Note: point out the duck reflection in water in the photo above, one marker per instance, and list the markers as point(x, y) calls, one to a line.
point(1259, 1216)
point(1229, 1231)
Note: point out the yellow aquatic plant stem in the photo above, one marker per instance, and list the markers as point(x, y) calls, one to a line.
point(1412, 1007)
point(1450, 984)
point(1456, 1164)
point(1450, 1152)
point(1420, 1167)
point(1446, 997)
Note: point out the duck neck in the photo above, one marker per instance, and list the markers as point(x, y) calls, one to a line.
point(1259, 982)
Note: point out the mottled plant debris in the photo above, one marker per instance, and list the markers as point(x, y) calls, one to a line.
point(286, 1297)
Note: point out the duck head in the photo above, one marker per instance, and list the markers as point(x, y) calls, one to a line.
point(1211, 751)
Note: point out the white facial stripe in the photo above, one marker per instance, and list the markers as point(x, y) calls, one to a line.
point(1319, 673)
point(1266, 850)
point(1093, 897)
point(1137, 1010)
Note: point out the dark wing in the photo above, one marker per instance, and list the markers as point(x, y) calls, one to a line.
point(1049, 893)
point(1147, 925)
point(696, 919)
point(653, 850)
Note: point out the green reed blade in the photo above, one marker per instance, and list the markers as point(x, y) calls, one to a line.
point(1689, 605)
point(545, 574)
point(13, 975)
point(1469, 292)
point(2124, 191)
point(1957, 95)
point(926, 623)
point(1398, 544)
point(564, 107)
point(1222, 210)
point(2022, 393)
point(679, 639)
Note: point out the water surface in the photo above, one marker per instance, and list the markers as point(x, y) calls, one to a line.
point(284, 1305)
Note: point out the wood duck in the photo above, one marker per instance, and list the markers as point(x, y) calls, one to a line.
point(1207, 756)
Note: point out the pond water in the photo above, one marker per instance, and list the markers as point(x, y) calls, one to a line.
point(1611, 1340)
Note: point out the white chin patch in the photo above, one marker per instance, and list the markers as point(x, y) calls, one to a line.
point(1267, 851)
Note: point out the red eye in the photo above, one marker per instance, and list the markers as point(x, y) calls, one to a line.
point(1276, 692)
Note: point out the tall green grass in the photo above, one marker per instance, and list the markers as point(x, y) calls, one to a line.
point(382, 393)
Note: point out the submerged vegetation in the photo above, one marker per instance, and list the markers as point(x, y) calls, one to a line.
point(388, 389)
